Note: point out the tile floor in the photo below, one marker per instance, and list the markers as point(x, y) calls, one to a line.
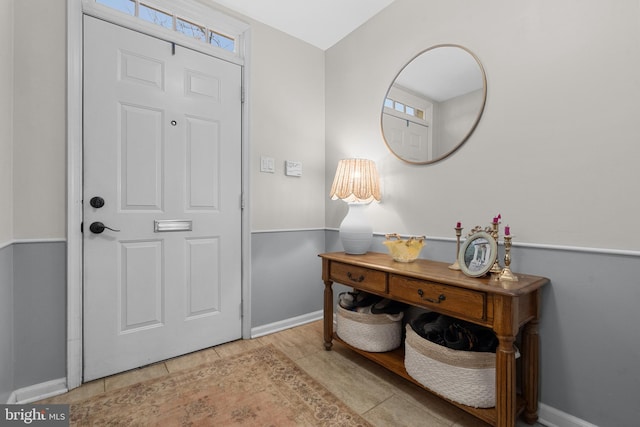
point(381, 397)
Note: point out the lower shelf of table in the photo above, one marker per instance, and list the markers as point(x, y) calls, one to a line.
point(394, 361)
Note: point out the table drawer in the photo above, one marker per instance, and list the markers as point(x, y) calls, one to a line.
point(359, 277)
point(468, 303)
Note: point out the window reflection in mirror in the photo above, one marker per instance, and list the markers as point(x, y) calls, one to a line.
point(434, 104)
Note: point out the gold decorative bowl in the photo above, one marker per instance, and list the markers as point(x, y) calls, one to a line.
point(404, 250)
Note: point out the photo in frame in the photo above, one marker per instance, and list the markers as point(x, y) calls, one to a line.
point(478, 254)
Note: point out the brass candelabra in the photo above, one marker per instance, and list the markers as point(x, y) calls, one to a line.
point(494, 233)
point(456, 264)
point(506, 274)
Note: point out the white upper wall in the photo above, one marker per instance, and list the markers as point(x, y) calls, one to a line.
point(286, 103)
point(557, 148)
point(286, 95)
point(39, 119)
point(287, 123)
point(6, 121)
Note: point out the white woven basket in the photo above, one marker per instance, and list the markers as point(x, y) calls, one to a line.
point(466, 377)
point(369, 332)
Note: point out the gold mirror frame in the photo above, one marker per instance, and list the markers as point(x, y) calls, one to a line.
point(438, 140)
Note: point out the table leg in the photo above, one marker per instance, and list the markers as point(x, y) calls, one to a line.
point(530, 362)
point(505, 382)
point(328, 314)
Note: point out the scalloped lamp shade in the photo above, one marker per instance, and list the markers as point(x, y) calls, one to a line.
point(357, 183)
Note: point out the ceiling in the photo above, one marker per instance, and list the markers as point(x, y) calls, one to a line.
point(321, 23)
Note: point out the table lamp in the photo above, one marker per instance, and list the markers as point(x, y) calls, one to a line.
point(357, 183)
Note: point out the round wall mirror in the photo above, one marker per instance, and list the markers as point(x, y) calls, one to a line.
point(434, 104)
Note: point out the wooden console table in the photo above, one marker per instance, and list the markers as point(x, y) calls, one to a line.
point(505, 307)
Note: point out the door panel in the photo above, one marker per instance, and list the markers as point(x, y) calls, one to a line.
point(140, 160)
point(162, 147)
point(141, 302)
point(203, 283)
point(203, 156)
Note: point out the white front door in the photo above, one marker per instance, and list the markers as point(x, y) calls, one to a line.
point(162, 166)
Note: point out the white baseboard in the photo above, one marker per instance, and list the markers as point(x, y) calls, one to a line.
point(552, 417)
point(37, 392)
point(286, 324)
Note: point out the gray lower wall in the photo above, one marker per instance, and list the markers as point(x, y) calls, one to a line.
point(589, 340)
point(285, 275)
point(39, 318)
point(589, 333)
point(590, 346)
point(32, 315)
point(6, 323)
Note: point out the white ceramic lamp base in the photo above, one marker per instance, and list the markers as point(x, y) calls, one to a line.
point(356, 232)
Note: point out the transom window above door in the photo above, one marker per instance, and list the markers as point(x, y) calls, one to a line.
point(151, 12)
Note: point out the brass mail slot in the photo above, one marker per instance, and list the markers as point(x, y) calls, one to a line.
point(162, 225)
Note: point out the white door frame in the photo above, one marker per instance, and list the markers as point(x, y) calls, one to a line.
point(74, 191)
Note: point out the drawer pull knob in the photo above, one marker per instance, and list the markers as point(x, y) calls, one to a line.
point(355, 279)
point(441, 297)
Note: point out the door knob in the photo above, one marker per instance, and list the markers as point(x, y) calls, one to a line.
point(98, 227)
point(96, 202)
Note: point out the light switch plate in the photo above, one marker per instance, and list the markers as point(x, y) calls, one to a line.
point(292, 168)
point(267, 164)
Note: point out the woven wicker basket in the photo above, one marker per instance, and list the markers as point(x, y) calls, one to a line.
point(369, 332)
point(465, 377)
